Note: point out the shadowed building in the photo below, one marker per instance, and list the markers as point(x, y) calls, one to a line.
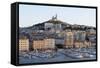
point(59, 42)
point(79, 39)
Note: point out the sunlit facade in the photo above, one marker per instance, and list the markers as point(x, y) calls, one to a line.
point(24, 44)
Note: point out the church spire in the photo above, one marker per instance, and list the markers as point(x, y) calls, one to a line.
point(54, 17)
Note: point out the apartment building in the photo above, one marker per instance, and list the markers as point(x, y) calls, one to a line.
point(69, 40)
point(47, 43)
point(24, 44)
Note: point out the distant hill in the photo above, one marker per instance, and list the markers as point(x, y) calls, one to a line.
point(41, 26)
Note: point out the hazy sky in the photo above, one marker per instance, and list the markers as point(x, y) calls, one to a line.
point(33, 14)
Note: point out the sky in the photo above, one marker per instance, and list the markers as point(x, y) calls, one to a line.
point(34, 14)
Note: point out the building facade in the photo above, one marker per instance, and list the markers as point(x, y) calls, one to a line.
point(87, 44)
point(23, 44)
point(48, 43)
point(78, 44)
point(69, 40)
point(38, 44)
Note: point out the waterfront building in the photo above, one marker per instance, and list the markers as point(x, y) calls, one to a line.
point(59, 42)
point(78, 44)
point(69, 40)
point(47, 43)
point(38, 44)
point(87, 44)
point(23, 43)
